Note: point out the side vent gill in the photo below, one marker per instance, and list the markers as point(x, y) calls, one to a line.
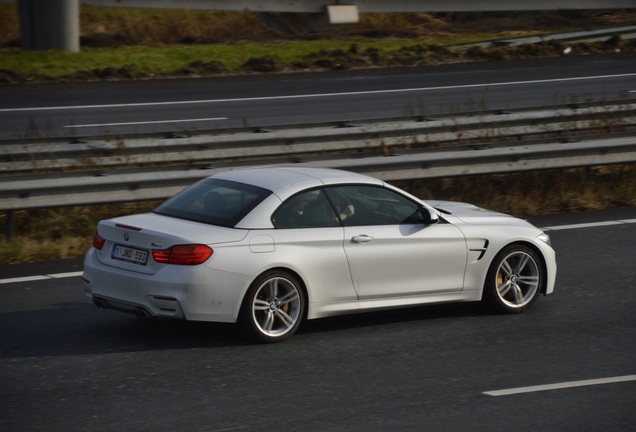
point(476, 249)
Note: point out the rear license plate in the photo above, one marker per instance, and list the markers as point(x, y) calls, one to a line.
point(128, 254)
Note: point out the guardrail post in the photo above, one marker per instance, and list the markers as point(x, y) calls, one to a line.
point(10, 225)
point(589, 177)
point(49, 25)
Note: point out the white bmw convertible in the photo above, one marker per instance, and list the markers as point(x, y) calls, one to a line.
point(270, 247)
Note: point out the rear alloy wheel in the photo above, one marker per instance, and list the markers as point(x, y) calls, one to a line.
point(514, 279)
point(273, 308)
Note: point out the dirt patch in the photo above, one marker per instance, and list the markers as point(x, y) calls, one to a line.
point(421, 55)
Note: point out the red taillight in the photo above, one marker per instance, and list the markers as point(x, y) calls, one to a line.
point(98, 241)
point(183, 254)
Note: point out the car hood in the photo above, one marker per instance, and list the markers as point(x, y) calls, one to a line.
point(471, 214)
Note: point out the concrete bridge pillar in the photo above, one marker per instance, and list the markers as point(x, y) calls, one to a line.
point(49, 25)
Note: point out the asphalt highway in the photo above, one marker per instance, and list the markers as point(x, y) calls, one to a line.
point(568, 364)
point(59, 110)
point(66, 365)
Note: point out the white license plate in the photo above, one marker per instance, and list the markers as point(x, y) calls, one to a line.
point(128, 254)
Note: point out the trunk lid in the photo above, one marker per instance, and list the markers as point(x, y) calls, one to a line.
point(131, 239)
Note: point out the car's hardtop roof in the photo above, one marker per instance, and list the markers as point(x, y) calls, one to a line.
point(287, 180)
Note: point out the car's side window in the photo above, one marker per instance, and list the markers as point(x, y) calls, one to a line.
point(359, 205)
point(309, 209)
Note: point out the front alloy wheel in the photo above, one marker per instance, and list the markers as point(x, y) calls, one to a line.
point(514, 279)
point(273, 308)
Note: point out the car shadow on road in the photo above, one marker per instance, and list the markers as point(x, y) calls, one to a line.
point(76, 329)
point(425, 313)
point(80, 328)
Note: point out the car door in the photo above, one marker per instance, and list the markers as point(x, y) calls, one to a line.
point(391, 250)
point(308, 238)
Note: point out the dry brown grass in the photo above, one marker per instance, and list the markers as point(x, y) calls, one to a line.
point(153, 26)
point(139, 26)
point(540, 192)
point(160, 26)
point(58, 233)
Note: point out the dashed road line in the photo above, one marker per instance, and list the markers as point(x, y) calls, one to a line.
point(559, 386)
point(589, 225)
point(146, 122)
point(40, 277)
point(320, 95)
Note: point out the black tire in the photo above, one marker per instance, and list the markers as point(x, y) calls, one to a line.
point(273, 308)
point(514, 280)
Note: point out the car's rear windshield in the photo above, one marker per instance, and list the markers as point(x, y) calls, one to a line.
point(214, 201)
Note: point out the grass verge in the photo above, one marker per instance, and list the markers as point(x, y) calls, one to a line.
point(138, 44)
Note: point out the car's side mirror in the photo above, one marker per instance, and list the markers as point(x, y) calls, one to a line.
point(430, 215)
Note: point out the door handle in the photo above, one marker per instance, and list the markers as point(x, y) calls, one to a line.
point(362, 238)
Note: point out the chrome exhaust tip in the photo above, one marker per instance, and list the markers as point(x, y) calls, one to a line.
point(102, 304)
point(142, 313)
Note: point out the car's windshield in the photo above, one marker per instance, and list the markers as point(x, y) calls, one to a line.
point(214, 201)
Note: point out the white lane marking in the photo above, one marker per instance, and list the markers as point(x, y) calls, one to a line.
point(65, 275)
point(145, 122)
point(559, 386)
point(76, 274)
point(40, 277)
point(589, 225)
point(319, 95)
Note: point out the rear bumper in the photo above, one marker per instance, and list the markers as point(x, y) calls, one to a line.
point(181, 292)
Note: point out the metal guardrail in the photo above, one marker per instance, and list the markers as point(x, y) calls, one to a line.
point(86, 190)
point(137, 169)
point(369, 137)
point(392, 150)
